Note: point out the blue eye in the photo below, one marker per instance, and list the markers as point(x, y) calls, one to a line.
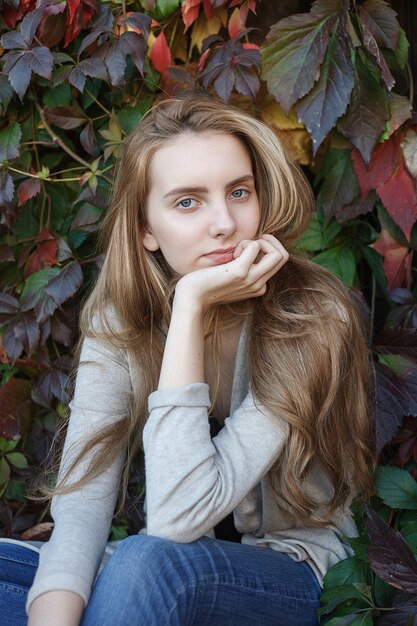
point(239, 193)
point(186, 203)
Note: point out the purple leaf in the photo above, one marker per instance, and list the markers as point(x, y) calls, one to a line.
point(91, 38)
point(8, 304)
point(77, 78)
point(141, 21)
point(116, 64)
point(19, 77)
point(390, 557)
point(12, 345)
point(61, 332)
point(93, 67)
point(292, 54)
point(13, 40)
point(401, 296)
point(29, 25)
point(223, 84)
point(392, 404)
point(40, 61)
point(87, 140)
point(65, 117)
point(330, 96)
point(360, 206)
point(397, 341)
point(53, 382)
point(27, 331)
point(382, 23)
point(368, 111)
point(66, 283)
point(246, 82)
point(44, 308)
point(399, 616)
point(6, 189)
point(372, 46)
point(135, 45)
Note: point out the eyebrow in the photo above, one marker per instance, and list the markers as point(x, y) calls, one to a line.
point(180, 190)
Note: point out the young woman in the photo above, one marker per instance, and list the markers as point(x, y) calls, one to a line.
point(205, 316)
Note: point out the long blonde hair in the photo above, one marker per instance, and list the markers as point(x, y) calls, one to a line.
point(308, 359)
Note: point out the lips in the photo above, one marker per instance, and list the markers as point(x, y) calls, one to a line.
point(221, 256)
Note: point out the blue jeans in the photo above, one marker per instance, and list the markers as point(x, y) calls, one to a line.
point(156, 582)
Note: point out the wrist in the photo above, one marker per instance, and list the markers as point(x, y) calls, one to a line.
point(187, 300)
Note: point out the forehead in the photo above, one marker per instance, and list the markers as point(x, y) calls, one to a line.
point(192, 156)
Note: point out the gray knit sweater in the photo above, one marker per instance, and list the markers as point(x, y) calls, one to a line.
point(192, 481)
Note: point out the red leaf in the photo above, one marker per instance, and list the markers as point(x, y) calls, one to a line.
point(399, 196)
point(52, 29)
point(79, 14)
point(72, 6)
point(14, 408)
point(397, 259)
point(190, 10)
point(236, 24)
point(29, 188)
point(383, 162)
point(11, 16)
point(43, 256)
point(208, 9)
point(160, 53)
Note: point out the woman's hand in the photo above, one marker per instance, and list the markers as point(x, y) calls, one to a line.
point(245, 277)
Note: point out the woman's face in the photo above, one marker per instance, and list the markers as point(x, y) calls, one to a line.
point(202, 200)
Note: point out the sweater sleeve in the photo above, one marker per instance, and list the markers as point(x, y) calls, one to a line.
point(192, 481)
point(70, 559)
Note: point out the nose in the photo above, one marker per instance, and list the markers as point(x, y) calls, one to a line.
point(222, 222)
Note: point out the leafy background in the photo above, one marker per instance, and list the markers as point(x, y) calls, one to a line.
point(334, 79)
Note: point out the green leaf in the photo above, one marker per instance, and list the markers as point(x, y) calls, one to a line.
point(402, 50)
point(118, 532)
point(58, 96)
point(16, 491)
point(8, 445)
point(6, 93)
point(10, 142)
point(357, 592)
point(129, 118)
point(4, 472)
point(339, 185)
point(375, 262)
point(166, 7)
point(347, 571)
point(292, 55)
point(34, 287)
point(339, 260)
point(318, 235)
point(330, 96)
point(17, 459)
point(396, 487)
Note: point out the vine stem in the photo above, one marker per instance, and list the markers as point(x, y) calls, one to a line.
point(107, 112)
point(411, 83)
point(49, 180)
point(59, 141)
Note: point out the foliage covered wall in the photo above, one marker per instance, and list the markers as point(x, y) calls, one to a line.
point(76, 76)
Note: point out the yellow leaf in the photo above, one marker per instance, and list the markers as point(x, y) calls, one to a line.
point(297, 144)
point(203, 28)
point(273, 114)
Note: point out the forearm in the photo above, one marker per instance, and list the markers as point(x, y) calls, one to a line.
point(183, 361)
point(56, 608)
